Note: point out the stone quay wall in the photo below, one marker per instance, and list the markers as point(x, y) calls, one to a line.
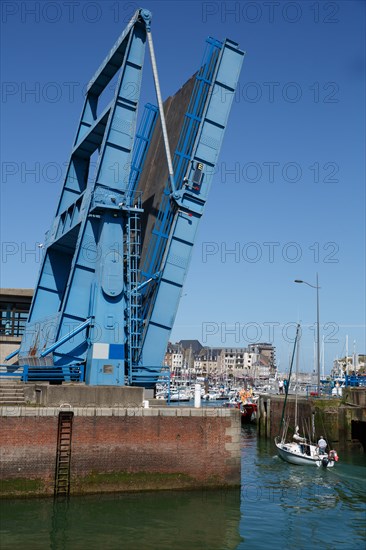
point(120, 449)
point(341, 421)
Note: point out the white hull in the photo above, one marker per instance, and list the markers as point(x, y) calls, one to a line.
point(174, 397)
point(180, 396)
point(293, 453)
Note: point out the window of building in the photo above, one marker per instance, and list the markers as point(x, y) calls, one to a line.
point(13, 317)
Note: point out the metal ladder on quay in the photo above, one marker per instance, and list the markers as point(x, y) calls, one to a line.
point(63, 456)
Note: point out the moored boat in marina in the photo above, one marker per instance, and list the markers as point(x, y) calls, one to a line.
point(180, 396)
point(248, 411)
point(248, 405)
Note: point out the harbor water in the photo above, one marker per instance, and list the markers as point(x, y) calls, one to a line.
point(278, 506)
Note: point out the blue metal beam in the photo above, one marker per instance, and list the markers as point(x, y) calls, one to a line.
point(175, 253)
point(66, 338)
point(83, 273)
point(11, 355)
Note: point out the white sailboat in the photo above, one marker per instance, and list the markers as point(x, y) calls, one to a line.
point(301, 450)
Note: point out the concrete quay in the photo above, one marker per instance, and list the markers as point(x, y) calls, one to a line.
point(341, 420)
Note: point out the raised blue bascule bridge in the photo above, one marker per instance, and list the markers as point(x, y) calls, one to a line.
point(119, 248)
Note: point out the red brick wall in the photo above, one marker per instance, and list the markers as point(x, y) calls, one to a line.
point(204, 449)
point(28, 448)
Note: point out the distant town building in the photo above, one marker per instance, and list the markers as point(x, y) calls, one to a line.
point(231, 362)
point(205, 362)
point(174, 358)
point(14, 307)
point(257, 361)
point(354, 363)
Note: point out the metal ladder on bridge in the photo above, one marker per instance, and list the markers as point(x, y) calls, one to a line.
point(133, 312)
point(63, 456)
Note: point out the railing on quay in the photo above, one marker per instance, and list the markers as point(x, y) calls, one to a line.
point(335, 388)
point(325, 391)
point(64, 373)
point(356, 380)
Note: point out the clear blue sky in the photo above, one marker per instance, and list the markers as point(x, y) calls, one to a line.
point(289, 191)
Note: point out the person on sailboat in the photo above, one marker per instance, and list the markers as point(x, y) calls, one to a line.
point(322, 445)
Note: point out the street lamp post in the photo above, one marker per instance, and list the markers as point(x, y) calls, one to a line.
point(317, 329)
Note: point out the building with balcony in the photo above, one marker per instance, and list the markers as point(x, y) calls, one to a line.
point(14, 307)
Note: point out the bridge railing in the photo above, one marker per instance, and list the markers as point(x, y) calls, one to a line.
point(64, 373)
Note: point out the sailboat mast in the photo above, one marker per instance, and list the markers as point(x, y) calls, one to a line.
point(297, 379)
point(289, 376)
